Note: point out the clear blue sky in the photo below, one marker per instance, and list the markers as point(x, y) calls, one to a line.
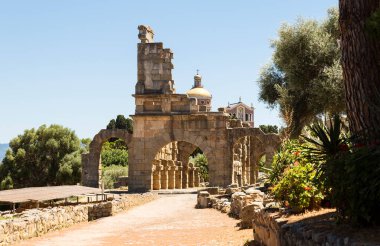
point(73, 62)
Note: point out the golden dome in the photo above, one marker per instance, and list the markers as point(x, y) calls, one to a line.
point(199, 92)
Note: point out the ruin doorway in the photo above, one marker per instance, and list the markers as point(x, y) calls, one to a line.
point(179, 165)
point(113, 164)
point(92, 161)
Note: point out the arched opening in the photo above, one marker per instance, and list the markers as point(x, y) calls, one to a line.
point(179, 165)
point(92, 161)
point(245, 160)
point(113, 163)
point(199, 160)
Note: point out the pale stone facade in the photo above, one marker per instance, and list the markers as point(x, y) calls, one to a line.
point(242, 111)
point(168, 127)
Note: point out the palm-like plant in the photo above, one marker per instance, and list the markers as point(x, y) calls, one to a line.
point(325, 143)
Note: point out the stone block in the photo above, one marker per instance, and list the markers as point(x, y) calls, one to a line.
point(203, 200)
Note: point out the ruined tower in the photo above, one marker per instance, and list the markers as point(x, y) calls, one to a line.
point(168, 127)
point(154, 65)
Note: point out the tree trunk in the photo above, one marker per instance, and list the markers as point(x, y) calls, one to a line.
point(361, 68)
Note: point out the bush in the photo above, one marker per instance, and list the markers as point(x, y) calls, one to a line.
point(291, 152)
point(353, 177)
point(115, 157)
point(6, 183)
point(297, 189)
point(111, 173)
point(200, 161)
point(325, 143)
point(114, 153)
point(70, 169)
point(292, 177)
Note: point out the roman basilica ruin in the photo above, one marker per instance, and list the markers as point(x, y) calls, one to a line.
point(169, 127)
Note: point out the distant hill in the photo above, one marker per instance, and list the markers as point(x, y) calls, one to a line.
point(3, 149)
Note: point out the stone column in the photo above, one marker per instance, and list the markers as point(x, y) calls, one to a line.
point(191, 175)
point(243, 160)
point(178, 177)
point(248, 168)
point(157, 169)
point(185, 175)
point(252, 160)
point(197, 177)
point(164, 174)
point(171, 172)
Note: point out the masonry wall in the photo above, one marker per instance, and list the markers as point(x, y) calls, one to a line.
point(36, 222)
point(272, 230)
point(207, 131)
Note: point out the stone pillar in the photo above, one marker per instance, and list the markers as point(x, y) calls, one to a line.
point(171, 172)
point(164, 174)
point(157, 169)
point(185, 175)
point(248, 168)
point(197, 177)
point(178, 177)
point(191, 175)
point(243, 160)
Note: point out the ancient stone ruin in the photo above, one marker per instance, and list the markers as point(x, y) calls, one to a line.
point(168, 127)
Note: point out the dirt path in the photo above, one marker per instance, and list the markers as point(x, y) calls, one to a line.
point(169, 220)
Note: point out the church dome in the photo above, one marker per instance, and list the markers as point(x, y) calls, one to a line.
point(199, 92)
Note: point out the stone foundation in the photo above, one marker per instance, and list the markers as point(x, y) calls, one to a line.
point(36, 222)
point(272, 229)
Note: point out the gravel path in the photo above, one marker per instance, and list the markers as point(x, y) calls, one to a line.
point(169, 220)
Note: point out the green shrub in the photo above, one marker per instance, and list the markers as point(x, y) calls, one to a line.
point(324, 144)
point(349, 172)
point(354, 179)
point(200, 161)
point(6, 183)
point(296, 188)
point(114, 153)
point(111, 173)
point(291, 152)
point(115, 157)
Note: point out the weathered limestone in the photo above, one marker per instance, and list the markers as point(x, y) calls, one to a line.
point(171, 173)
point(191, 175)
point(197, 178)
point(91, 161)
point(36, 222)
point(270, 228)
point(165, 175)
point(185, 176)
point(157, 169)
point(178, 177)
point(247, 213)
point(203, 199)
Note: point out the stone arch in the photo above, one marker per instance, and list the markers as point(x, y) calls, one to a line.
point(171, 168)
point(91, 160)
point(189, 144)
point(259, 144)
point(244, 150)
point(202, 140)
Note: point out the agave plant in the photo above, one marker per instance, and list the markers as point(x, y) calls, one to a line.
point(326, 142)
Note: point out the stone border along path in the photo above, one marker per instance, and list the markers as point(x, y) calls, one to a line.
point(169, 220)
point(37, 222)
